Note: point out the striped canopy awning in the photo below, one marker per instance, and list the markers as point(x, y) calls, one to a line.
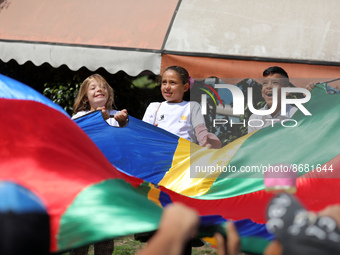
point(223, 38)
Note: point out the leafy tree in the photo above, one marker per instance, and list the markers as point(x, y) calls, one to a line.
point(62, 94)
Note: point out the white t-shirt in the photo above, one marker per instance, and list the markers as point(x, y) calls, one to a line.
point(290, 110)
point(177, 118)
point(111, 121)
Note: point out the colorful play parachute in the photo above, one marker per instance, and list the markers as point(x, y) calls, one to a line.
point(108, 182)
point(176, 170)
point(311, 147)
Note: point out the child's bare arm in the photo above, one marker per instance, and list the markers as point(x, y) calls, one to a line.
point(178, 224)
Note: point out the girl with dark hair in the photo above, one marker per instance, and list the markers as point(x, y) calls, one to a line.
point(182, 118)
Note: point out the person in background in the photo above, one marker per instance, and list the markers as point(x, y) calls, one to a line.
point(182, 118)
point(96, 94)
point(273, 77)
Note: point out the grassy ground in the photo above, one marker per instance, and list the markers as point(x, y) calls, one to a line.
point(129, 246)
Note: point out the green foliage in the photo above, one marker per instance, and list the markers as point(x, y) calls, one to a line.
point(134, 93)
point(144, 82)
point(62, 94)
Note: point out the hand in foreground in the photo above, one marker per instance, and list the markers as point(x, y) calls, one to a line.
point(332, 211)
point(229, 245)
point(178, 224)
